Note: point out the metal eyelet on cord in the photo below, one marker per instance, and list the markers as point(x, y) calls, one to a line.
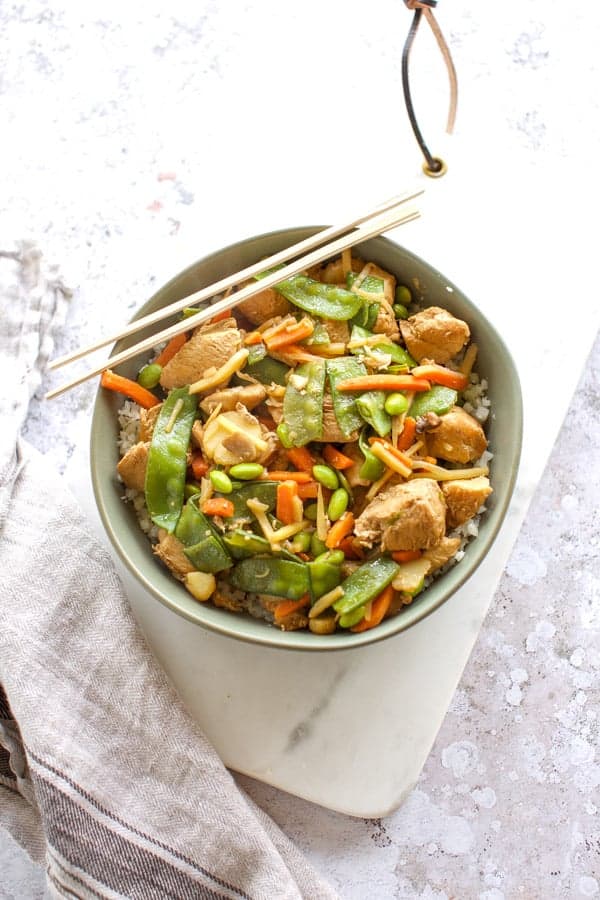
point(433, 165)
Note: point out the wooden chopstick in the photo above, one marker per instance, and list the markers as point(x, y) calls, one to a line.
point(377, 225)
point(327, 234)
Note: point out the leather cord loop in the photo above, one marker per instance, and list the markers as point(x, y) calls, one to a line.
point(432, 166)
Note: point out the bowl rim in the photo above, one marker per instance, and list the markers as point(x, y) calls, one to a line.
point(270, 636)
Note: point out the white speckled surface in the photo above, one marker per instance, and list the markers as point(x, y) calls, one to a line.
point(116, 119)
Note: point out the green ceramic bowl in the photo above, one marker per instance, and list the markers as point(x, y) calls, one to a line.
point(504, 429)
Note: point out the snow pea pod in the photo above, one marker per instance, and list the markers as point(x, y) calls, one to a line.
point(324, 577)
point(266, 369)
point(303, 406)
point(438, 399)
point(202, 546)
point(372, 468)
point(265, 491)
point(344, 405)
point(371, 406)
point(324, 300)
point(366, 583)
point(400, 356)
point(242, 544)
point(272, 576)
point(165, 472)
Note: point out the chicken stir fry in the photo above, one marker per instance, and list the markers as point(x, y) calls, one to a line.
point(316, 457)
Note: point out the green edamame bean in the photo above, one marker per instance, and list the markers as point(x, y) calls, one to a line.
point(310, 512)
point(326, 476)
point(301, 542)
point(338, 504)
point(400, 311)
point(403, 295)
point(221, 482)
point(317, 546)
point(396, 404)
point(191, 489)
point(333, 557)
point(150, 375)
point(246, 471)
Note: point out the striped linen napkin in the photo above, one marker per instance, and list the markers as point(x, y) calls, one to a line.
point(104, 777)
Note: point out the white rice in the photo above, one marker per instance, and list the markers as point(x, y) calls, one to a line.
point(129, 423)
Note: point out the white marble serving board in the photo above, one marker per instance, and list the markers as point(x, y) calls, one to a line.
point(351, 730)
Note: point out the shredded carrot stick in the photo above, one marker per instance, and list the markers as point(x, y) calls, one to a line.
point(218, 506)
point(299, 477)
point(351, 549)
point(407, 435)
point(402, 556)
point(199, 466)
point(441, 375)
point(380, 450)
point(121, 385)
point(286, 492)
point(404, 459)
point(301, 458)
point(168, 352)
point(308, 491)
point(253, 337)
point(224, 314)
point(379, 607)
point(291, 335)
point(336, 458)
point(384, 383)
point(294, 354)
point(339, 530)
point(286, 607)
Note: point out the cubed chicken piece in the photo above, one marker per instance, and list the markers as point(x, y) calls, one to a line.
point(197, 432)
point(249, 395)
point(209, 347)
point(333, 272)
point(464, 498)
point(294, 622)
point(386, 322)
point(458, 438)
point(338, 331)
point(132, 466)
point(263, 306)
point(228, 598)
point(148, 419)
point(409, 516)
point(439, 555)
point(434, 334)
point(332, 432)
point(170, 551)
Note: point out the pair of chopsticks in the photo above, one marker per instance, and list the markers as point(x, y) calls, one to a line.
point(327, 242)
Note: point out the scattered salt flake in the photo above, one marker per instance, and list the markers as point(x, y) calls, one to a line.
point(526, 566)
point(514, 695)
point(484, 797)
point(588, 886)
point(460, 757)
point(577, 657)
point(544, 632)
point(582, 753)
